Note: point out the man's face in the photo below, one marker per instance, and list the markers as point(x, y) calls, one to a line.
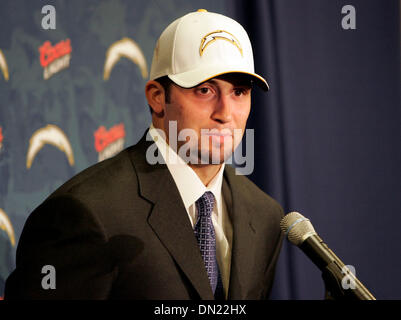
point(219, 105)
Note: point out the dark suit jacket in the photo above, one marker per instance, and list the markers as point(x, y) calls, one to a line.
point(119, 229)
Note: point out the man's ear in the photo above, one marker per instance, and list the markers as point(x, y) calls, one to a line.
point(155, 95)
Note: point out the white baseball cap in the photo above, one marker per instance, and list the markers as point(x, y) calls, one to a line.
point(202, 45)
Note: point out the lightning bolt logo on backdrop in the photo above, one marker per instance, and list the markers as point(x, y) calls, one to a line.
point(6, 226)
point(219, 35)
point(3, 65)
point(52, 135)
point(126, 48)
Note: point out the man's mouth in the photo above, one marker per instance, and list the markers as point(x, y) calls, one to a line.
point(219, 136)
point(217, 132)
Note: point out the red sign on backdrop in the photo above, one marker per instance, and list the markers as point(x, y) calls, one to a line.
point(104, 137)
point(49, 53)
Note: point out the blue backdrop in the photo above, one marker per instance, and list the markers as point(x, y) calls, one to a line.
point(327, 135)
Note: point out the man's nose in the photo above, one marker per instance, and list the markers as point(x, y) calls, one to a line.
point(222, 112)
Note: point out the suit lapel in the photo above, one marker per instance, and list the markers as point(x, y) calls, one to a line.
point(169, 219)
point(243, 237)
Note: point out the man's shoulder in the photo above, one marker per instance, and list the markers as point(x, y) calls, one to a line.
point(250, 192)
point(99, 175)
point(100, 193)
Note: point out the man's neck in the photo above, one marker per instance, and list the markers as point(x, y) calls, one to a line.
point(206, 172)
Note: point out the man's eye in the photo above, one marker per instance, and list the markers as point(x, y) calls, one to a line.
point(239, 91)
point(204, 90)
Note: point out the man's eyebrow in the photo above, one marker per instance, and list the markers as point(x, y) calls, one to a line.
point(244, 84)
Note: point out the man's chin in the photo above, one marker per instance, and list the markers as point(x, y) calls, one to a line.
point(196, 155)
point(215, 157)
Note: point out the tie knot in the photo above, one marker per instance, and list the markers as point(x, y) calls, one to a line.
point(205, 204)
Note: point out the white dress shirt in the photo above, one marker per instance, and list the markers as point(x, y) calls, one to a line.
point(191, 189)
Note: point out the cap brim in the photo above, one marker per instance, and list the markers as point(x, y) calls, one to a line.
point(195, 77)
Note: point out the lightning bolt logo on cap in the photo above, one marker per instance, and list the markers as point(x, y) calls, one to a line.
point(219, 35)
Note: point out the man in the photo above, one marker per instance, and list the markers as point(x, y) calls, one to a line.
point(185, 227)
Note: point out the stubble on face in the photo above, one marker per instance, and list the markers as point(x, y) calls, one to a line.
point(214, 139)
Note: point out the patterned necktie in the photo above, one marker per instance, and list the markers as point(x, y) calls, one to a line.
point(204, 233)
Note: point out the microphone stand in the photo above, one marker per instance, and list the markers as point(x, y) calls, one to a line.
point(333, 271)
point(334, 289)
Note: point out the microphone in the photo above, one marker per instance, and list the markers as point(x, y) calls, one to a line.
point(300, 232)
